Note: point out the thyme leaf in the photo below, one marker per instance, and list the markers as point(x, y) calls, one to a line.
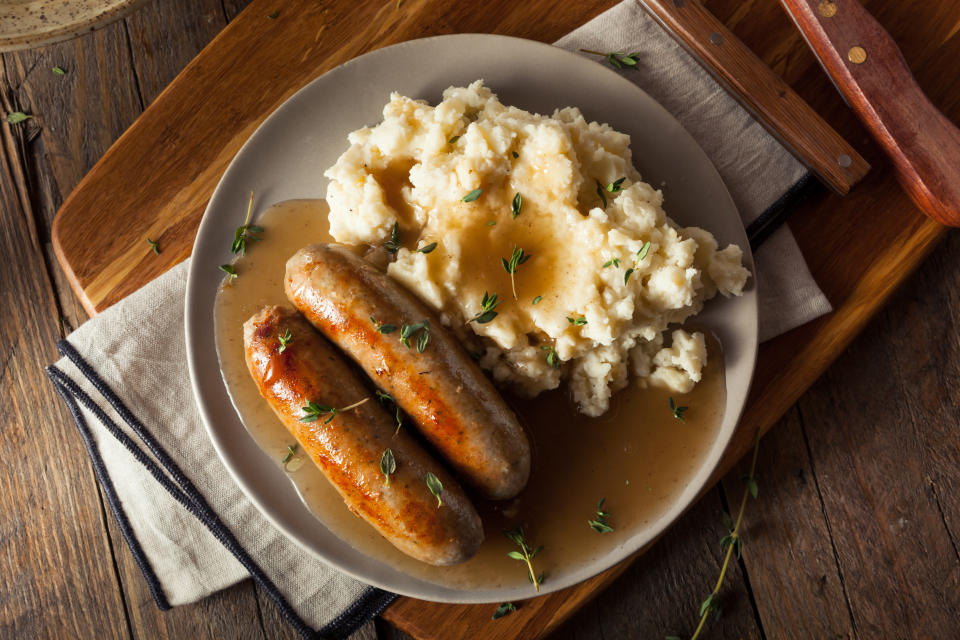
point(388, 464)
point(435, 486)
point(487, 306)
point(285, 340)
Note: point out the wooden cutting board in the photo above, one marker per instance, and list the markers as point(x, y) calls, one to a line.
point(156, 179)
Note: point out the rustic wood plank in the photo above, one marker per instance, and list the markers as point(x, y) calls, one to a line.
point(661, 592)
point(787, 541)
point(76, 118)
point(165, 36)
point(55, 556)
point(875, 441)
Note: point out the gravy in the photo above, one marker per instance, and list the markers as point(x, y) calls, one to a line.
point(637, 456)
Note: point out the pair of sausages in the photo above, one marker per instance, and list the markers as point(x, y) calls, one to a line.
point(432, 379)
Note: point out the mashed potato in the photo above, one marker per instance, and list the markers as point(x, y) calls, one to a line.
point(604, 270)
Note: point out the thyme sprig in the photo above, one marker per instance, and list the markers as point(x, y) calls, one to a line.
point(382, 396)
point(552, 358)
point(408, 331)
point(154, 246)
point(516, 205)
point(245, 232)
point(677, 410)
point(388, 464)
point(393, 244)
point(731, 542)
point(616, 59)
point(314, 411)
point(383, 328)
point(229, 270)
point(641, 254)
point(504, 609)
point(435, 486)
point(487, 306)
point(517, 258)
point(285, 341)
point(526, 553)
point(600, 524)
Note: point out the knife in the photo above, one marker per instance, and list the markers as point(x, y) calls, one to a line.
point(870, 72)
point(762, 92)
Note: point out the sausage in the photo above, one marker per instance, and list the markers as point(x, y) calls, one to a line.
point(348, 448)
point(442, 389)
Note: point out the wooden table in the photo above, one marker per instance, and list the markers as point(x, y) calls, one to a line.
point(856, 530)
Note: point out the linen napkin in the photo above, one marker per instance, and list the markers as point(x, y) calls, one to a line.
point(192, 531)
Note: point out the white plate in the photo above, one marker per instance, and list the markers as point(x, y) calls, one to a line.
point(285, 158)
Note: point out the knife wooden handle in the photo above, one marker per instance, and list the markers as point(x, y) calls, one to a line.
point(868, 69)
point(761, 92)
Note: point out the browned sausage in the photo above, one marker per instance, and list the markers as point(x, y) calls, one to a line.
point(452, 403)
point(348, 448)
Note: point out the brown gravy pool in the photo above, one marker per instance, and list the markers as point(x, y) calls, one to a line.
point(637, 455)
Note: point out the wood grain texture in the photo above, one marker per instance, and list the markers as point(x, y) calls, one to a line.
point(869, 70)
point(763, 93)
point(43, 459)
point(858, 275)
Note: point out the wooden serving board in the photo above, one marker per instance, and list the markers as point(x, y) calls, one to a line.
point(156, 179)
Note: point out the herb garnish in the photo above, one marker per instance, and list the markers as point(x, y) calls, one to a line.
point(600, 525)
point(435, 486)
point(316, 411)
point(616, 59)
point(273, 16)
point(285, 340)
point(245, 232)
point(407, 331)
point(491, 223)
point(517, 258)
point(552, 358)
point(428, 248)
point(517, 205)
point(393, 244)
point(388, 464)
point(504, 609)
point(677, 411)
point(473, 195)
point(731, 542)
point(577, 322)
point(641, 254)
point(58, 71)
point(614, 187)
point(453, 139)
point(17, 117)
point(291, 451)
point(603, 196)
point(383, 328)
point(615, 262)
point(537, 299)
point(154, 245)
point(230, 271)
point(487, 306)
point(386, 397)
point(525, 554)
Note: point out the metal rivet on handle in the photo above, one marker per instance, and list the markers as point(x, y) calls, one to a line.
point(857, 55)
point(716, 39)
point(844, 161)
point(827, 8)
